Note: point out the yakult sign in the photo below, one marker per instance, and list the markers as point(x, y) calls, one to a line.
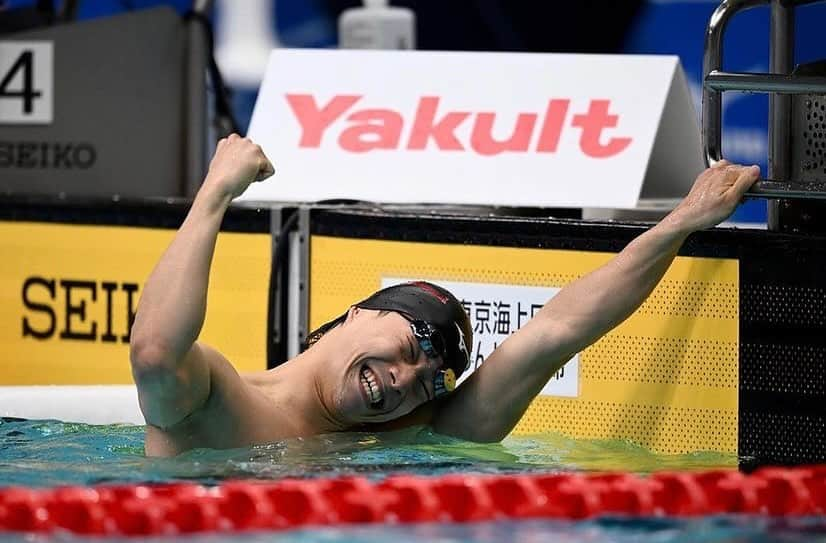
point(372, 129)
point(473, 128)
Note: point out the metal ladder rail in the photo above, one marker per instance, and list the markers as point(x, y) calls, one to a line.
point(779, 84)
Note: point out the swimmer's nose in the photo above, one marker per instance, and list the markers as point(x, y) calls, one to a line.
point(404, 378)
point(401, 377)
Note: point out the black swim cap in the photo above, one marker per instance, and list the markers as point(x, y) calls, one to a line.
point(420, 300)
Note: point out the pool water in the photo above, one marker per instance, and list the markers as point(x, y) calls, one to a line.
point(608, 530)
point(49, 453)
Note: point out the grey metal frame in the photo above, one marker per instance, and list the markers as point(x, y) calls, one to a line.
point(780, 83)
point(298, 284)
point(277, 323)
point(195, 102)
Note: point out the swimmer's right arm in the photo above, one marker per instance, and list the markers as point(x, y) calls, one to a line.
point(488, 405)
point(172, 370)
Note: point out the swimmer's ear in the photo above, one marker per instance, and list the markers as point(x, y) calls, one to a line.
point(352, 312)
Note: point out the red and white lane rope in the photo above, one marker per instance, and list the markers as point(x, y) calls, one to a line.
point(287, 504)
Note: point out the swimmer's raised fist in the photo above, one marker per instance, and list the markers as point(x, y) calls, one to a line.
point(237, 163)
point(715, 194)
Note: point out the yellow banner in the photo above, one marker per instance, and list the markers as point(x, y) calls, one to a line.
point(68, 292)
point(666, 378)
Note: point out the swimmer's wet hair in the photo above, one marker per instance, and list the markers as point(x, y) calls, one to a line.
point(319, 332)
point(420, 300)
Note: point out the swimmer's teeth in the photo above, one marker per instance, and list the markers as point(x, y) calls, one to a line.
point(368, 380)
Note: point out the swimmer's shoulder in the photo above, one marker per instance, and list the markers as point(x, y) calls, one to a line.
point(228, 418)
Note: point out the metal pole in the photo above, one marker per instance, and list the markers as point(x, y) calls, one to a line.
point(713, 62)
point(712, 99)
point(298, 285)
point(195, 102)
point(781, 61)
point(275, 317)
point(769, 83)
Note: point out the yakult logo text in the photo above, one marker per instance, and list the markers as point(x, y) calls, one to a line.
point(374, 128)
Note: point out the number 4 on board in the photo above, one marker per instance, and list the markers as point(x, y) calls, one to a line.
point(27, 93)
point(25, 82)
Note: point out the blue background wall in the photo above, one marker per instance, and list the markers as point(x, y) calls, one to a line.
point(678, 27)
point(662, 26)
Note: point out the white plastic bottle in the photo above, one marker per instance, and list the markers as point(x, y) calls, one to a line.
point(377, 26)
point(244, 37)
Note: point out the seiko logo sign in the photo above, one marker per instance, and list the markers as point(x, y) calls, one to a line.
point(433, 127)
point(46, 154)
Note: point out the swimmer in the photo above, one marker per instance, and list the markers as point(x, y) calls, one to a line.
point(389, 361)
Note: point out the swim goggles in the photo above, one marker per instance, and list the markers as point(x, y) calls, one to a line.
point(433, 344)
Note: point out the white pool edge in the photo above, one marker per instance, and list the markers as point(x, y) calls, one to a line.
point(92, 404)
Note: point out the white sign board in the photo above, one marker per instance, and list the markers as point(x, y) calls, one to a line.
point(496, 311)
point(473, 128)
point(26, 74)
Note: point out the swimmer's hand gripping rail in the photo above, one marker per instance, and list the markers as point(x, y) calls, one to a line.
point(780, 84)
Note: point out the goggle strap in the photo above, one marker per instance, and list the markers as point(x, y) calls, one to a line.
point(444, 382)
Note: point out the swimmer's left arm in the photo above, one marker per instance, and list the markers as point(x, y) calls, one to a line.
point(491, 401)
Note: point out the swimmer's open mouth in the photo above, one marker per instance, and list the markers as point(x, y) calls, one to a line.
point(370, 384)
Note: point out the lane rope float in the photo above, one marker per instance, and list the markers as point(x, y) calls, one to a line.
point(177, 508)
